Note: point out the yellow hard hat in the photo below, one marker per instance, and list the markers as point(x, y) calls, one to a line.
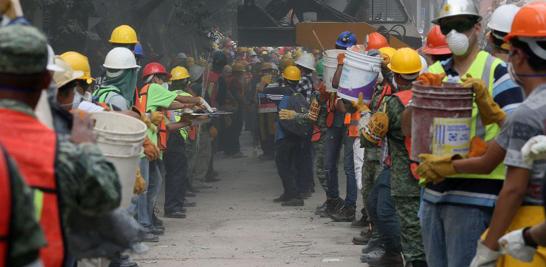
point(179, 73)
point(292, 73)
point(405, 61)
point(124, 34)
point(78, 62)
point(387, 51)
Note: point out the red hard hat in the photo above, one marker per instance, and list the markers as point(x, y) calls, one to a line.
point(375, 41)
point(436, 42)
point(154, 68)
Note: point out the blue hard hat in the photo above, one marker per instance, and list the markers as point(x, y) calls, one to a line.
point(346, 39)
point(138, 50)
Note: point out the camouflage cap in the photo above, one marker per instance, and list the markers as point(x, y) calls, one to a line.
point(23, 50)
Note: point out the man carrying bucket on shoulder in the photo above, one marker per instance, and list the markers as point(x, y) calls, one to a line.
point(519, 202)
point(387, 123)
point(466, 201)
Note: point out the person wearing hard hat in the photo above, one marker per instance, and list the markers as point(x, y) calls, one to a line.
point(175, 156)
point(124, 36)
point(405, 65)
point(448, 203)
point(336, 135)
point(155, 97)
point(118, 88)
point(499, 26)
point(288, 137)
point(269, 78)
point(306, 64)
point(436, 48)
point(376, 41)
point(378, 212)
point(79, 62)
point(68, 177)
point(520, 201)
point(66, 82)
point(230, 98)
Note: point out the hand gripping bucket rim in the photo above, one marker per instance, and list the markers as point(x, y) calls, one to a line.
point(360, 73)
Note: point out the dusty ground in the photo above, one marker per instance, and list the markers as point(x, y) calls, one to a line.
point(236, 224)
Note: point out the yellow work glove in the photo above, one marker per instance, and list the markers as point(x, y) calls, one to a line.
point(140, 183)
point(144, 118)
point(213, 132)
point(266, 79)
point(490, 112)
point(377, 127)
point(157, 117)
point(360, 106)
point(314, 110)
point(286, 114)
point(151, 151)
point(435, 168)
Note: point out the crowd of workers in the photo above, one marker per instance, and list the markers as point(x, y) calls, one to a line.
point(477, 209)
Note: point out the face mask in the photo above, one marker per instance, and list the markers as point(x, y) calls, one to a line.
point(514, 75)
point(87, 97)
point(457, 42)
point(166, 85)
point(77, 99)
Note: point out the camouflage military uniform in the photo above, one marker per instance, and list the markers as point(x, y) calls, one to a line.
point(404, 187)
point(320, 145)
point(26, 237)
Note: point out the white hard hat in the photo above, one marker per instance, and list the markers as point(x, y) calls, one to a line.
point(502, 17)
point(51, 66)
point(306, 60)
point(65, 76)
point(120, 58)
point(452, 8)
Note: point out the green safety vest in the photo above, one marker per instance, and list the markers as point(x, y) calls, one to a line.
point(483, 67)
point(101, 95)
point(183, 131)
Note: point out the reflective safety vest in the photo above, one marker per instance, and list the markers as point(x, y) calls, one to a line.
point(32, 145)
point(142, 105)
point(483, 67)
point(5, 210)
point(352, 120)
point(405, 97)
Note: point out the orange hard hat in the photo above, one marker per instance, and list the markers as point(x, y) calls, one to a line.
point(375, 41)
point(530, 22)
point(436, 42)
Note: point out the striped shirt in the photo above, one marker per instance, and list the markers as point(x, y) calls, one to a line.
point(479, 192)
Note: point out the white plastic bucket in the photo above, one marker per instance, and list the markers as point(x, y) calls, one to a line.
point(330, 66)
point(120, 139)
point(359, 76)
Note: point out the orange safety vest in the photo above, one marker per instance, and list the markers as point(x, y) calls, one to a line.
point(351, 120)
point(142, 105)
point(192, 133)
point(405, 97)
point(33, 147)
point(5, 210)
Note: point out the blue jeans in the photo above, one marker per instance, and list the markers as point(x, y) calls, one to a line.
point(336, 138)
point(139, 203)
point(154, 186)
point(451, 232)
point(383, 213)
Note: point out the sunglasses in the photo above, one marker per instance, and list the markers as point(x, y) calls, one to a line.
point(460, 26)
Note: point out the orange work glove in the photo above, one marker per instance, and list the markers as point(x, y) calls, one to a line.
point(478, 147)
point(340, 58)
point(150, 150)
point(140, 183)
point(157, 117)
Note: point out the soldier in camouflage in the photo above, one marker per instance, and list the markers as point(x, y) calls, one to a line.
point(86, 181)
